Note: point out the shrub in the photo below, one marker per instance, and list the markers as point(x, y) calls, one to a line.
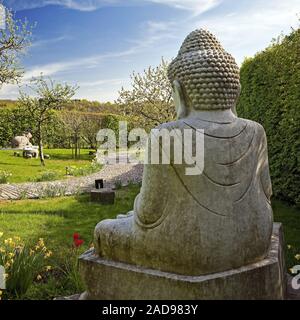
point(23, 265)
point(52, 191)
point(47, 176)
point(84, 171)
point(4, 175)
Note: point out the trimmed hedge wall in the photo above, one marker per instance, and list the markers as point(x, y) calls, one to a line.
point(271, 96)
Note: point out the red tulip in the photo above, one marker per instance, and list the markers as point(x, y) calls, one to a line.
point(75, 236)
point(78, 243)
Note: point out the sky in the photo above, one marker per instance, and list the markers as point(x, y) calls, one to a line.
point(96, 44)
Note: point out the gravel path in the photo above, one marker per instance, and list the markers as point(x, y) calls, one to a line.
point(125, 173)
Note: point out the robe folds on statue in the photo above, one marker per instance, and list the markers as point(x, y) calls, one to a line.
point(199, 224)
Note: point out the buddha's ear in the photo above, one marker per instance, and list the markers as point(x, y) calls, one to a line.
point(179, 100)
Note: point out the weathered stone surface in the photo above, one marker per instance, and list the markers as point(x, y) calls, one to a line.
point(21, 142)
point(215, 221)
point(31, 153)
point(196, 236)
point(110, 280)
point(103, 196)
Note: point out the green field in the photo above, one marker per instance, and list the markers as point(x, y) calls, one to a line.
point(56, 220)
point(24, 170)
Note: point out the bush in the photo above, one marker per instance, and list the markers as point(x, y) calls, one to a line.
point(47, 176)
point(270, 95)
point(84, 171)
point(4, 175)
point(52, 191)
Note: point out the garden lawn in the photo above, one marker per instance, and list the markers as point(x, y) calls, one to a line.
point(56, 220)
point(24, 170)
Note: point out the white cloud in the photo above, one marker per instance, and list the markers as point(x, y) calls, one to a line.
point(245, 32)
point(242, 30)
point(40, 43)
point(54, 69)
point(9, 91)
point(51, 69)
point(197, 6)
point(101, 82)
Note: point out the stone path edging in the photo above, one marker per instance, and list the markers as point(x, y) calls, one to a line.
point(125, 173)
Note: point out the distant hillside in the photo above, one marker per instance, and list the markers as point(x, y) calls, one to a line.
point(80, 105)
point(7, 103)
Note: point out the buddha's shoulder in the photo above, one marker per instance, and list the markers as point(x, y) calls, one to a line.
point(252, 124)
point(238, 125)
point(179, 124)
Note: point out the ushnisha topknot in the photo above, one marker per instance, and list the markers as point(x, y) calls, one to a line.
point(208, 74)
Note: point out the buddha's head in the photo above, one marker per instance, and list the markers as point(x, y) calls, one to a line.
point(203, 75)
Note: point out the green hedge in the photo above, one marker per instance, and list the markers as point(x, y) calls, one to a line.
point(271, 96)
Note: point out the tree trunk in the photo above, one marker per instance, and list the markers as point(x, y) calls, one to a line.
point(76, 146)
point(40, 143)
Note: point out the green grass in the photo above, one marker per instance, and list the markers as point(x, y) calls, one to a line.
point(290, 218)
point(24, 170)
point(56, 220)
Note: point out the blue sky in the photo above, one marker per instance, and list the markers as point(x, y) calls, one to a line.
point(96, 44)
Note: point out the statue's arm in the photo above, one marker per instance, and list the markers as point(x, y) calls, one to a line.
point(150, 202)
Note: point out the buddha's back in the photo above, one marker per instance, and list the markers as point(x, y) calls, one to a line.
point(215, 215)
point(220, 218)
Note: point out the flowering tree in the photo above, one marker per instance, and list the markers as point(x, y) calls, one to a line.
point(150, 98)
point(15, 38)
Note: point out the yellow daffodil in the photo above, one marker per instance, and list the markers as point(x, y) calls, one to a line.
point(297, 256)
point(1, 234)
point(48, 268)
point(48, 254)
point(39, 277)
point(9, 242)
point(289, 246)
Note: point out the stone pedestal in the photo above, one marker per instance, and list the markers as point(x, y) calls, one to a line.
point(103, 196)
point(109, 280)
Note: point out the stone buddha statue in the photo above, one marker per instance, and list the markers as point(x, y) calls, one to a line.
point(215, 221)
